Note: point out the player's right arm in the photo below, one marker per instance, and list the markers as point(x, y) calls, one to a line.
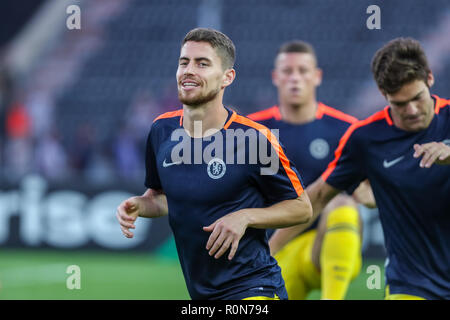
point(320, 194)
point(151, 204)
point(364, 195)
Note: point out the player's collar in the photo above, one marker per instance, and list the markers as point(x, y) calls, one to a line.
point(230, 118)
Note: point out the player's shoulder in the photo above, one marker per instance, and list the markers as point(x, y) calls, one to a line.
point(368, 128)
point(170, 116)
point(266, 115)
point(165, 124)
point(250, 127)
point(168, 119)
point(247, 122)
point(326, 112)
point(441, 105)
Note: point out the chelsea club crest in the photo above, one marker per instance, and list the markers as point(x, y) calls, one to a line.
point(319, 148)
point(216, 168)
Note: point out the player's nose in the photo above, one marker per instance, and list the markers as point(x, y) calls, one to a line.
point(412, 108)
point(295, 76)
point(189, 69)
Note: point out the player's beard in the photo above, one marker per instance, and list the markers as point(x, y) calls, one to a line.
point(198, 100)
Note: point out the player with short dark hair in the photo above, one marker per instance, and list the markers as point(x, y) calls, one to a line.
point(223, 45)
point(404, 151)
point(215, 203)
point(327, 255)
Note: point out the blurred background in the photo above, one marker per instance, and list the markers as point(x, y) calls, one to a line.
point(80, 87)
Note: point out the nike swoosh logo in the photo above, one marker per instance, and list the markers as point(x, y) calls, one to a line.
point(388, 164)
point(168, 164)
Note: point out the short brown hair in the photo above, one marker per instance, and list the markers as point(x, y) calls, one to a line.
point(399, 62)
point(223, 45)
point(296, 46)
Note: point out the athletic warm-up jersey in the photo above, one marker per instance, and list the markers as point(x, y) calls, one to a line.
point(206, 179)
point(310, 146)
point(413, 202)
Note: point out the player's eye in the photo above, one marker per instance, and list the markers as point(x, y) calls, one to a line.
point(303, 70)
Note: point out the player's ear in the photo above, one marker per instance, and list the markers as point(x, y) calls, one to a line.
point(228, 77)
point(274, 78)
point(319, 75)
point(430, 79)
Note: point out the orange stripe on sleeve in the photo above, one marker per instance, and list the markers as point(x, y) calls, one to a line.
point(273, 112)
point(344, 139)
point(275, 144)
point(440, 103)
point(171, 114)
point(324, 109)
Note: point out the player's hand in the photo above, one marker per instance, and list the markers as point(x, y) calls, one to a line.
point(432, 152)
point(226, 232)
point(127, 213)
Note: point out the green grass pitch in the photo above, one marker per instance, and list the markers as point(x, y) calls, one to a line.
point(41, 274)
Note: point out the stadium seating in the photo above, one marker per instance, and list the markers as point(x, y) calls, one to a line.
point(142, 45)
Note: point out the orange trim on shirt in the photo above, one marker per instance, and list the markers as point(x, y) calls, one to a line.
point(275, 144)
point(266, 114)
point(329, 111)
point(376, 117)
point(233, 116)
point(171, 114)
point(440, 103)
point(388, 116)
point(179, 113)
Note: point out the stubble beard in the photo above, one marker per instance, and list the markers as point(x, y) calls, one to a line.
point(198, 100)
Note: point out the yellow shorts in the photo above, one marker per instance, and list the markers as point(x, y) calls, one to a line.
point(299, 273)
point(400, 296)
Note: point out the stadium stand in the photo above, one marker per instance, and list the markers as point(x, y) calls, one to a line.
point(125, 59)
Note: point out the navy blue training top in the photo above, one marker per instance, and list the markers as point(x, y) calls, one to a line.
point(413, 202)
point(202, 189)
point(310, 146)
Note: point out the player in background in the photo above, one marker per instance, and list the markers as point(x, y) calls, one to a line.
point(404, 151)
point(328, 254)
point(218, 210)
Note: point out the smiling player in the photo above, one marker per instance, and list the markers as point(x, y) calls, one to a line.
point(218, 211)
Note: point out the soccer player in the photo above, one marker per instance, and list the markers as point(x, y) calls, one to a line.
point(217, 205)
point(404, 152)
point(328, 254)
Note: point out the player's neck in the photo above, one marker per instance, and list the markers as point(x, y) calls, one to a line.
point(204, 120)
point(298, 114)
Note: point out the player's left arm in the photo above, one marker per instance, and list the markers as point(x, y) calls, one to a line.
point(432, 153)
point(227, 231)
